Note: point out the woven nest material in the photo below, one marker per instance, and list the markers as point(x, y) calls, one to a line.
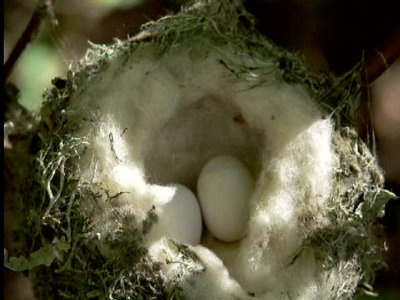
point(122, 125)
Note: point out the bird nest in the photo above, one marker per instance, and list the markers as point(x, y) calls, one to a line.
point(134, 118)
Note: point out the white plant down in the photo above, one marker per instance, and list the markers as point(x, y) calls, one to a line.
point(161, 120)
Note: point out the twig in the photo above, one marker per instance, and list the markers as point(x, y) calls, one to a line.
point(375, 64)
point(44, 8)
point(382, 57)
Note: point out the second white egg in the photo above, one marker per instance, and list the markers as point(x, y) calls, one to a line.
point(224, 189)
point(179, 215)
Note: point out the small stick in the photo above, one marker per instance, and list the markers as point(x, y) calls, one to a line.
point(375, 64)
point(43, 9)
point(382, 57)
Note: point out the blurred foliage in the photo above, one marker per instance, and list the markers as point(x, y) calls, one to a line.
point(37, 66)
point(123, 4)
point(46, 57)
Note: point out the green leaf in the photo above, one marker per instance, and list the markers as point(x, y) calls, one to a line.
point(375, 202)
point(42, 257)
point(93, 294)
point(61, 244)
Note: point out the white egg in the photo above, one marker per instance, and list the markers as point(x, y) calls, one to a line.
point(224, 189)
point(179, 216)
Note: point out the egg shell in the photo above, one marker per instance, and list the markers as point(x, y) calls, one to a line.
point(179, 218)
point(224, 189)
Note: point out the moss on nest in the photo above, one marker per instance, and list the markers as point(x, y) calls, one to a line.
point(56, 242)
point(54, 225)
point(353, 240)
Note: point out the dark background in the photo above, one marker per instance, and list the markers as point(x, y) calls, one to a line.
point(332, 35)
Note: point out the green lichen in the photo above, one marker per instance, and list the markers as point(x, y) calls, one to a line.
point(352, 241)
point(56, 237)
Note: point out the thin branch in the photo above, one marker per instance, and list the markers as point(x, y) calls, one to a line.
point(382, 57)
point(43, 10)
point(375, 64)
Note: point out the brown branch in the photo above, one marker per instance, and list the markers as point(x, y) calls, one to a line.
point(375, 64)
point(43, 10)
point(382, 57)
